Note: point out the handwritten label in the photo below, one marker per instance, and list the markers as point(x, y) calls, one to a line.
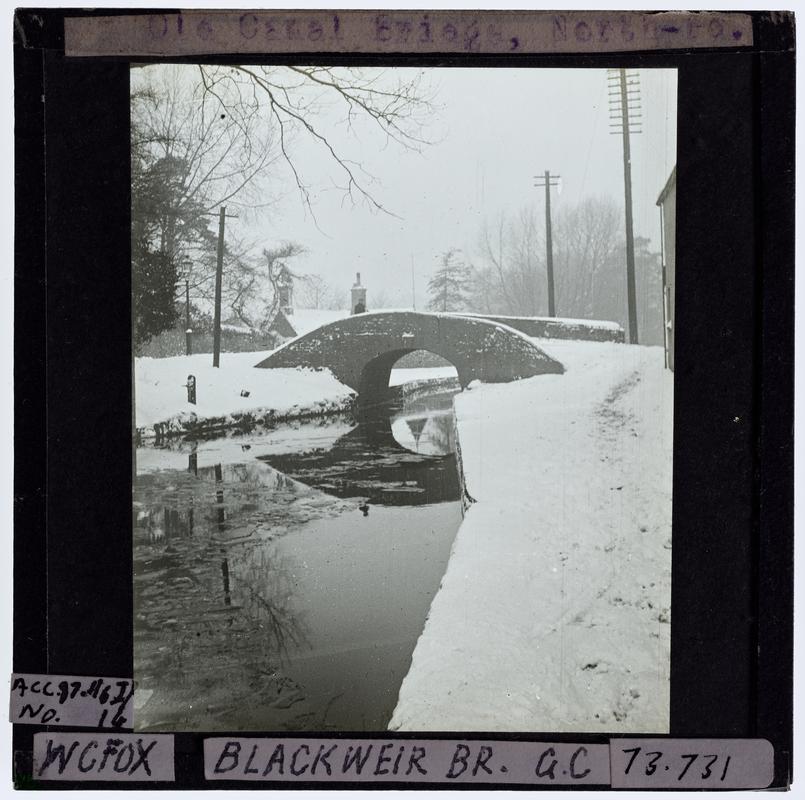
point(103, 757)
point(410, 760)
point(691, 763)
point(71, 700)
point(200, 32)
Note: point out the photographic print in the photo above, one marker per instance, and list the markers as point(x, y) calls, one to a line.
point(403, 352)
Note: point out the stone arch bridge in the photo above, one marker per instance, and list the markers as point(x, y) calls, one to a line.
point(362, 349)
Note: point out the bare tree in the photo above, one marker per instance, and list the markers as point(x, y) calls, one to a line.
point(491, 272)
point(586, 237)
point(313, 291)
point(191, 158)
point(396, 103)
point(380, 298)
point(207, 135)
point(509, 272)
point(256, 300)
point(529, 263)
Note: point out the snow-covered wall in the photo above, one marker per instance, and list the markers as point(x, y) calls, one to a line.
point(589, 330)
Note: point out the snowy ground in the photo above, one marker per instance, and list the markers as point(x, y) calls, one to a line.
point(554, 612)
point(160, 395)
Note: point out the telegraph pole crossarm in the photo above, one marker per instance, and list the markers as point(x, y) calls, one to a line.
point(219, 272)
point(548, 180)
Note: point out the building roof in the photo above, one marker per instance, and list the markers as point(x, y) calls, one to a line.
point(282, 327)
point(669, 185)
point(305, 320)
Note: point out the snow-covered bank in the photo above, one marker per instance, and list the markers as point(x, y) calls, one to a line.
point(161, 397)
point(553, 614)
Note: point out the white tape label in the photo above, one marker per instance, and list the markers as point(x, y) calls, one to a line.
point(70, 700)
point(201, 32)
point(103, 757)
point(405, 760)
point(691, 763)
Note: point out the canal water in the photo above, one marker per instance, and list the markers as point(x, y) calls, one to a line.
point(281, 579)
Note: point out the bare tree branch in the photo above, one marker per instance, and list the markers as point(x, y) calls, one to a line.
point(399, 111)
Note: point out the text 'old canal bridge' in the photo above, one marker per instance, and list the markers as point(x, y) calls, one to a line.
point(362, 349)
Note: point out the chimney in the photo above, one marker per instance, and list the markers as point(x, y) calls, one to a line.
point(358, 296)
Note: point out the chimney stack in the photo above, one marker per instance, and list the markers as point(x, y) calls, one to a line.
point(358, 296)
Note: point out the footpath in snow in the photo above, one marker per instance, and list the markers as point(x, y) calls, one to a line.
point(273, 394)
point(554, 611)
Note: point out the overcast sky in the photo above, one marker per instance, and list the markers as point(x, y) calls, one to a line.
point(495, 130)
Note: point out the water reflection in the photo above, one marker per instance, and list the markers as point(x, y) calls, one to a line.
point(406, 457)
point(286, 591)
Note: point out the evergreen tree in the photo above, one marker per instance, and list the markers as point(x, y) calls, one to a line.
point(154, 278)
point(450, 284)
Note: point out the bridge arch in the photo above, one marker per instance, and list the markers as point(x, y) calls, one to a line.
point(376, 374)
point(362, 349)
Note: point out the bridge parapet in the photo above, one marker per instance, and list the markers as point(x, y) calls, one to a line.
point(362, 349)
point(590, 330)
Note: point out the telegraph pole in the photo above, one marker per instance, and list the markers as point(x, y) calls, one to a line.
point(548, 181)
point(187, 330)
point(187, 268)
point(219, 273)
point(624, 101)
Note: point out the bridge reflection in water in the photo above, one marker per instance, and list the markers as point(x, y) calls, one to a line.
point(286, 591)
point(405, 457)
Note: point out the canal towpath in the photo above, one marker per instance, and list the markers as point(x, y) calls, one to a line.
point(554, 610)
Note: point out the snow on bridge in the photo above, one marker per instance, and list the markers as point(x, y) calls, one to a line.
point(362, 349)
